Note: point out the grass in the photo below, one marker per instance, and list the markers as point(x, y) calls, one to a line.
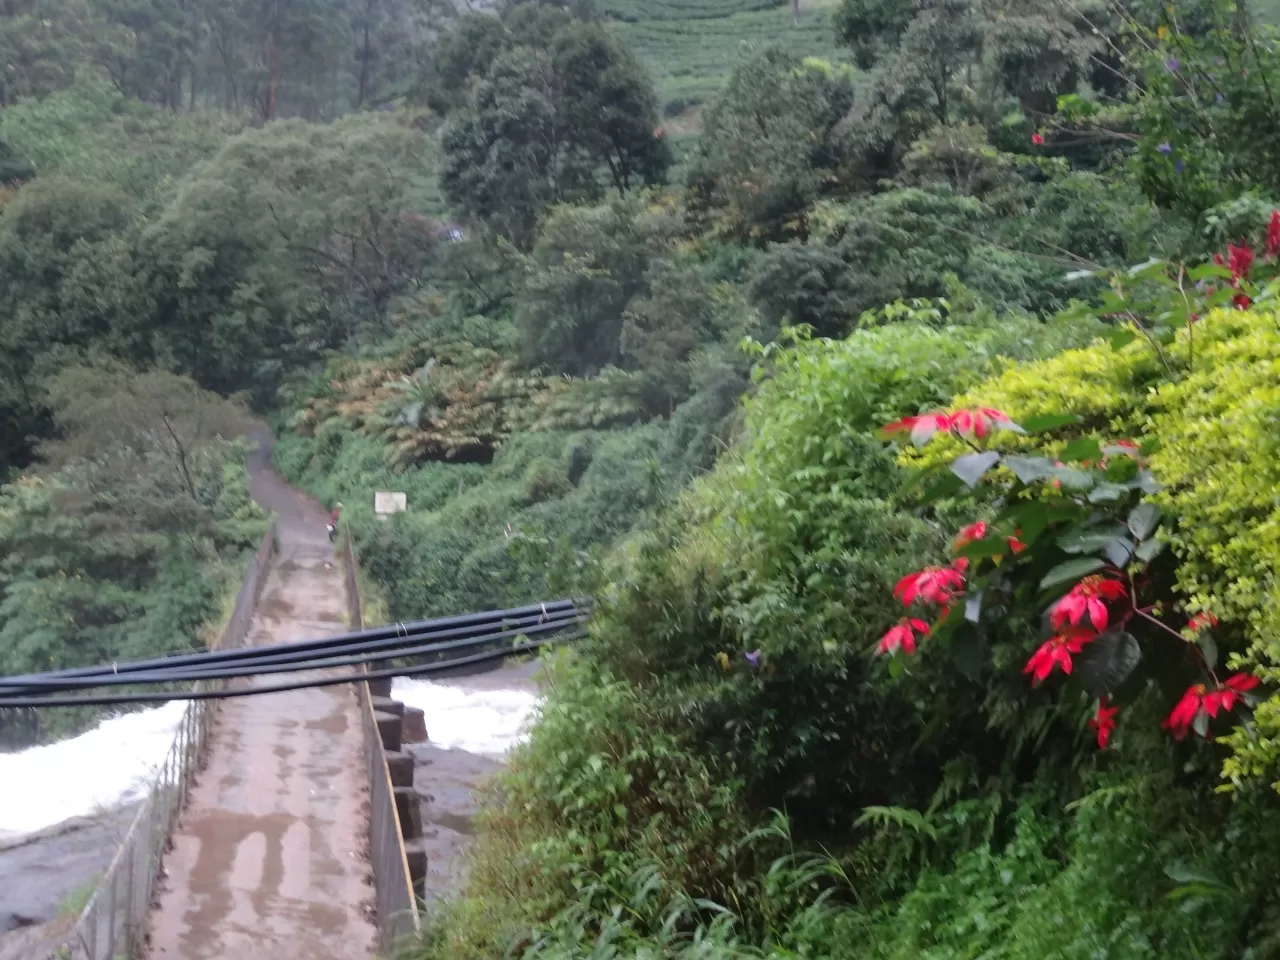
point(73, 904)
point(690, 45)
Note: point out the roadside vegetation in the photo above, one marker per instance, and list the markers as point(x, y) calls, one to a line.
point(900, 383)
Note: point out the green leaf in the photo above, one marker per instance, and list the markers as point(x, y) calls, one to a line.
point(1148, 550)
point(1031, 517)
point(1073, 478)
point(1143, 520)
point(1090, 540)
point(1121, 338)
point(896, 816)
point(1148, 268)
point(973, 606)
point(1119, 551)
point(1107, 492)
point(1201, 724)
point(1208, 270)
point(1029, 469)
point(1208, 647)
point(988, 546)
point(1081, 448)
point(1106, 662)
point(1071, 570)
point(969, 652)
point(971, 466)
point(942, 486)
point(1148, 483)
point(897, 667)
point(1051, 421)
point(1194, 882)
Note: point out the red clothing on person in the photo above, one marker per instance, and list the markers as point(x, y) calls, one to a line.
point(333, 518)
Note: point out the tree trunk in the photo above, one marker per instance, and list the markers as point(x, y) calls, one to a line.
point(365, 55)
point(273, 63)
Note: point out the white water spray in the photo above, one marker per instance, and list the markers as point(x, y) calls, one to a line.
point(110, 765)
point(486, 722)
point(115, 762)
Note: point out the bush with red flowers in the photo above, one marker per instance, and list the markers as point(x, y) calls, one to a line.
point(1087, 564)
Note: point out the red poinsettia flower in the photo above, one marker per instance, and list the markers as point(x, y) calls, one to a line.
point(1273, 234)
point(1037, 139)
point(1184, 713)
point(933, 584)
point(902, 636)
point(921, 428)
point(1226, 697)
point(961, 563)
point(1199, 697)
point(1202, 621)
point(1089, 597)
point(1239, 260)
point(979, 421)
point(1057, 651)
point(1016, 545)
point(1104, 721)
point(1241, 302)
point(966, 536)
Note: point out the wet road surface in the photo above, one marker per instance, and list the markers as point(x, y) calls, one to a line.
point(269, 859)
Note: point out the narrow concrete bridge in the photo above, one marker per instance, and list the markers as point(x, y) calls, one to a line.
point(271, 857)
point(281, 825)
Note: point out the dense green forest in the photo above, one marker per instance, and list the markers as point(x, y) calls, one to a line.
point(899, 377)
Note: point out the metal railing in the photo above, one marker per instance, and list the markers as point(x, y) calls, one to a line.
point(113, 925)
point(394, 899)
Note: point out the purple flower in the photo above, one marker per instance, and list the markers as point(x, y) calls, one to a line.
point(1178, 165)
point(753, 658)
point(1172, 64)
point(1165, 148)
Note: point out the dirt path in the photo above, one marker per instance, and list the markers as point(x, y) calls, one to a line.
point(268, 860)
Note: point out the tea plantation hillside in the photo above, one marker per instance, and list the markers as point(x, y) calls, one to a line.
point(690, 45)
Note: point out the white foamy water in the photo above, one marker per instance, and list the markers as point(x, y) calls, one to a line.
point(487, 722)
point(112, 764)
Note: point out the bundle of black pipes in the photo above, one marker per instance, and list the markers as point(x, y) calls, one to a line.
point(505, 632)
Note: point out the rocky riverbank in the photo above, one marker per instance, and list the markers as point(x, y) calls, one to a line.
point(46, 875)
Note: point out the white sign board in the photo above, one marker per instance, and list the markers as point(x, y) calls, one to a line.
point(385, 503)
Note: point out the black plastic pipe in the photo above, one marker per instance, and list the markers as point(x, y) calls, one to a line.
point(351, 656)
point(393, 633)
point(160, 697)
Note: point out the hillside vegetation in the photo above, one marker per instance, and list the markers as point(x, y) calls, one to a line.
point(899, 383)
point(690, 46)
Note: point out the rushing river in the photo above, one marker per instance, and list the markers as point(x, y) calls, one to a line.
point(115, 762)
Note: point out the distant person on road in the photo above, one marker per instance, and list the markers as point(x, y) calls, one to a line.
point(333, 521)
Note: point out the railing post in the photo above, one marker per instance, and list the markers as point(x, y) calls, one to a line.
point(394, 898)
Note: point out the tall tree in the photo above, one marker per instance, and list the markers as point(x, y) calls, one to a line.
point(560, 110)
point(767, 146)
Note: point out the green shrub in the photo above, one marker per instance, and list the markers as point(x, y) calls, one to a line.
point(734, 635)
point(1216, 457)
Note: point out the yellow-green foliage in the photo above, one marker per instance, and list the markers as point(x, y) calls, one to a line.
point(1218, 458)
point(444, 402)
